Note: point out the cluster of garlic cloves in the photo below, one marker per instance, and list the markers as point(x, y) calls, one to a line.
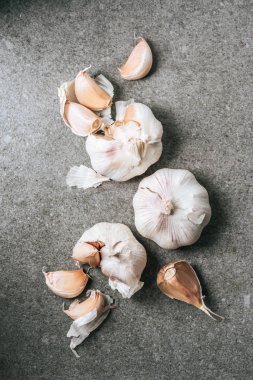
point(87, 316)
point(122, 257)
point(139, 62)
point(171, 208)
point(66, 283)
point(179, 281)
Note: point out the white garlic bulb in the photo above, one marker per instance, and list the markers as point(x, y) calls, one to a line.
point(87, 316)
point(171, 208)
point(123, 258)
point(129, 146)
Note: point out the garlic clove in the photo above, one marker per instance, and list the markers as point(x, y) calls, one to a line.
point(81, 120)
point(83, 177)
point(178, 280)
point(86, 253)
point(171, 208)
point(87, 315)
point(90, 94)
point(138, 63)
point(123, 258)
point(66, 283)
point(78, 309)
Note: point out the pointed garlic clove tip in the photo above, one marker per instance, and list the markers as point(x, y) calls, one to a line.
point(66, 283)
point(79, 309)
point(138, 63)
point(87, 253)
point(89, 93)
point(179, 281)
point(81, 120)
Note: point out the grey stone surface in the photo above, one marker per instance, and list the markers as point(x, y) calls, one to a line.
point(201, 90)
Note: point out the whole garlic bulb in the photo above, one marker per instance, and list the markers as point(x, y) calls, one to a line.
point(129, 146)
point(123, 258)
point(171, 208)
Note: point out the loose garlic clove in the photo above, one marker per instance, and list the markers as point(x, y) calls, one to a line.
point(171, 208)
point(129, 146)
point(87, 315)
point(86, 253)
point(123, 258)
point(81, 120)
point(66, 283)
point(139, 62)
point(90, 94)
point(178, 280)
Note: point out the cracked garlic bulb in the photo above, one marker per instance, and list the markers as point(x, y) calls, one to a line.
point(87, 316)
point(171, 208)
point(123, 258)
point(129, 146)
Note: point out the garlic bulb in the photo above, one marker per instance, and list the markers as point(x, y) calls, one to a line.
point(90, 94)
point(171, 208)
point(123, 258)
point(86, 253)
point(139, 62)
point(87, 316)
point(178, 280)
point(66, 283)
point(129, 146)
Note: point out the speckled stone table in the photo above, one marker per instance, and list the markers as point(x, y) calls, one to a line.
point(201, 90)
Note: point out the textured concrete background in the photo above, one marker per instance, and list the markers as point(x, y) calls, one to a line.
point(201, 90)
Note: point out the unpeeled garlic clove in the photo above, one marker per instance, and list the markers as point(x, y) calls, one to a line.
point(87, 315)
point(90, 94)
point(171, 208)
point(86, 253)
point(66, 283)
point(78, 309)
point(178, 280)
point(81, 120)
point(138, 63)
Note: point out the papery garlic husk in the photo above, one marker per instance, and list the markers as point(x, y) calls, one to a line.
point(66, 283)
point(86, 253)
point(87, 315)
point(90, 94)
point(129, 146)
point(138, 63)
point(171, 208)
point(178, 280)
point(123, 258)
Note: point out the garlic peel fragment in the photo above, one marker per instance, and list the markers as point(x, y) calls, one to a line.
point(84, 177)
point(87, 315)
point(179, 281)
point(123, 258)
point(66, 283)
point(138, 63)
point(171, 208)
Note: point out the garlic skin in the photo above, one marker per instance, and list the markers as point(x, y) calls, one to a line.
point(123, 258)
point(85, 253)
point(83, 177)
point(90, 94)
point(171, 208)
point(129, 146)
point(87, 316)
point(178, 280)
point(66, 283)
point(138, 63)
